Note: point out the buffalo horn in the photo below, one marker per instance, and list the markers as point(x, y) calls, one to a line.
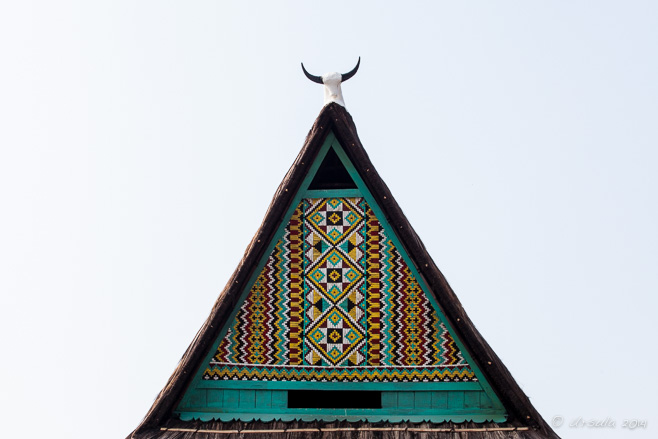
point(312, 77)
point(351, 73)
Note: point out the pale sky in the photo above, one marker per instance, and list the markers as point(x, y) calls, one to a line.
point(141, 143)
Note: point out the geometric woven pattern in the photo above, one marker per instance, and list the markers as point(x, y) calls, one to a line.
point(337, 302)
point(335, 327)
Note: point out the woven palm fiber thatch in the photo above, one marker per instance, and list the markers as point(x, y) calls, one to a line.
point(337, 430)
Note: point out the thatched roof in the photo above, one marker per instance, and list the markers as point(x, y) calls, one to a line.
point(338, 430)
point(333, 117)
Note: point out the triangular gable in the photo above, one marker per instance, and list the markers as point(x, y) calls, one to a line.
point(187, 391)
point(337, 305)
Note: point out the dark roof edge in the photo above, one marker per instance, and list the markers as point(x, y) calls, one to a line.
point(334, 117)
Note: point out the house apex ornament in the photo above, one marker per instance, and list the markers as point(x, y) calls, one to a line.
point(331, 81)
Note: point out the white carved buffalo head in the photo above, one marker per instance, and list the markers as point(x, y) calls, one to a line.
point(331, 81)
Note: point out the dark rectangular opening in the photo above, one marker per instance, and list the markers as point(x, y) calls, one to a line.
point(334, 399)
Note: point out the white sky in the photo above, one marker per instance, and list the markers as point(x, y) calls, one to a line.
point(141, 142)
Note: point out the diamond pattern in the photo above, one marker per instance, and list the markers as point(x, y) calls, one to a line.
point(335, 249)
point(335, 337)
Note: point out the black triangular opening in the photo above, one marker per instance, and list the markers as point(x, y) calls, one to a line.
point(332, 174)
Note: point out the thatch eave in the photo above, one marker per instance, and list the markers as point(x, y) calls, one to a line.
point(336, 430)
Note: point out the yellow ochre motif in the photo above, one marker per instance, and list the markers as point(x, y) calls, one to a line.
point(337, 300)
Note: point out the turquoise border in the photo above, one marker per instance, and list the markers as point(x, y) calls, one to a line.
point(354, 415)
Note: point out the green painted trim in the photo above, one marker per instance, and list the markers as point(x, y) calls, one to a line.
point(332, 193)
point(296, 385)
point(355, 416)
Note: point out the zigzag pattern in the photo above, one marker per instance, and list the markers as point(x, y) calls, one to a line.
point(334, 296)
point(373, 288)
point(296, 287)
point(450, 355)
point(392, 287)
point(385, 305)
point(351, 374)
point(282, 300)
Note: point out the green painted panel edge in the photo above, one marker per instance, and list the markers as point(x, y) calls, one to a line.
point(332, 193)
point(340, 415)
point(275, 401)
